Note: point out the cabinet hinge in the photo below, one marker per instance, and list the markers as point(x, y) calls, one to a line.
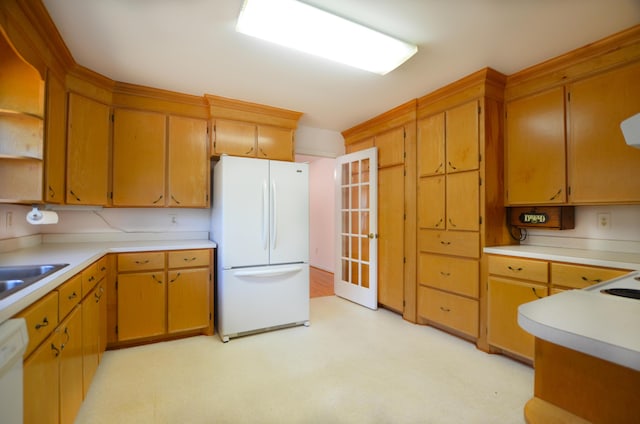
point(569, 96)
point(480, 157)
point(480, 220)
point(116, 284)
point(404, 134)
point(568, 190)
point(113, 117)
point(111, 195)
point(116, 329)
point(480, 179)
point(209, 316)
point(210, 278)
point(479, 109)
point(404, 260)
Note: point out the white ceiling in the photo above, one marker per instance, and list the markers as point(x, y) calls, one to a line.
point(190, 46)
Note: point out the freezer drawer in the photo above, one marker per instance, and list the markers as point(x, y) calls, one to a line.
point(260, 298)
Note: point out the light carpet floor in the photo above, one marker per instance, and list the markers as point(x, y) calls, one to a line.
point(352, 365)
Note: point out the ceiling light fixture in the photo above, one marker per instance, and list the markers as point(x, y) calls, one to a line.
point(305, 28)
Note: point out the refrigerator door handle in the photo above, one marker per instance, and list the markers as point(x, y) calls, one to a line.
point(265, 214)
point(274, 216)
point(262, 273)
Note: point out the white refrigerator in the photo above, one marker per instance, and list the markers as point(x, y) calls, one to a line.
point(260, 222)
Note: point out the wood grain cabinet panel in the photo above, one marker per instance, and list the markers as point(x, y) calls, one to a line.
point(234, 138)
point(87, 151)
point(188, 163)
point(141, 305)
point(448, 273)
point(462, 133)
point(602, 167)
point(71, 366)
point(139, 154)
point(41, 379)
point(535, 160)
point(431, 136)
point(456, 312)
point(41, 318)
point(55, 148)
point(519, 268)
point(140, 261)
point(275, 143)
point(188, 294)
point(581, 276)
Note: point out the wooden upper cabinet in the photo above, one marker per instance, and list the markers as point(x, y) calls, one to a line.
point(463, 201)
point(390, 147)
point(602, 167)
point(87, 151)
point(360, 145)
point(431, 202)
point(462, 134)
point(275, 143)
point(535, 151)
point(431, 145)
point(234, 138)
point(55, 141)
point(138, 158)
point(188, 167)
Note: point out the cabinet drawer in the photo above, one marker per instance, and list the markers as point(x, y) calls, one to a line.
point(581, 276)
point(458, 243)
point(140, 261)
point(189, 258)
point(451, 274)
point(450, 310)
point(525, 269)
point(92, 274)
point(69, 294)
point(42, 319)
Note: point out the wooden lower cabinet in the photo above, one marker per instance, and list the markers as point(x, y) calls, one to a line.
point(453, 311)
point(71, 366)
point(503, 330)
point(173, 295)
point(92, 332)
point(41, 377)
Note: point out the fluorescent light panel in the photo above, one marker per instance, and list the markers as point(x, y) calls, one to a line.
point(305, 28)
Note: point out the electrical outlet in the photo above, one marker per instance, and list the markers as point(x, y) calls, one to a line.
point(174, 219)
point(604, 221)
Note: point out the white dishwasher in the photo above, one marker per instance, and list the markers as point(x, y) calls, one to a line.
point(13, 342)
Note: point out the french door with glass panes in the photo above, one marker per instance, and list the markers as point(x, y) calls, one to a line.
point(356, 274)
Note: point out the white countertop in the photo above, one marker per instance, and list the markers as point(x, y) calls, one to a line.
point(78, 255)
point(590, 322)
point(602, 258)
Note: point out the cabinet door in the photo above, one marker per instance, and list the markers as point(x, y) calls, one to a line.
point(138, 158)
point(141, 305)
point(188, 299)
point(452, 274)
point(535, 154)
point(463, 201)
point(360, 145)
point(462, 137)
point(55, 142)
point(234, 138)
point(390, 148)
point(41, 376)
point(275, 143)
point(503, 330)
point(391, 237)
point(431, 202)
point(602, 167)
point(431, 145)
point(87, 152)
point(90, 337)
point(71, 366)
point(188, 177)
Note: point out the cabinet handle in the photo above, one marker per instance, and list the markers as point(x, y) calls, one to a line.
point(445, 243)
point(514, 269)
point(263, 153)
point(66, 333)
point(556, 195)
point(44, 323)
point(52, 192)
point(249, 151)
point(445, 274)
point(175, 200)
point(158, 199)
point(72, 296)
point(452, 167)
point(146, 261)
point(74, 195)
point(97, 297)
point(154, 277)
point(55, 350)
point(190, 259)
point(443, 309)
point(438, 223)
point(451, 223)
point(92, 278)
point(595, 280)
point(177, 276)
point(438, 168)
point(533, 289)
point(104, 268)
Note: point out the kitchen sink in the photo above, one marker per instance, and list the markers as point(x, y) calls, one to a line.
point(15, 278)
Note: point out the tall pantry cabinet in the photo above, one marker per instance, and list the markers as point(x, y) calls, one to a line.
point(459, 200)
point(393, 133)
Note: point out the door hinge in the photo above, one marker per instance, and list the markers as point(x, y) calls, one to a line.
point(116, 329)
point(116, 284)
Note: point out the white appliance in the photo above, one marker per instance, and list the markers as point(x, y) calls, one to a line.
point(13, 343)
point(260, 222)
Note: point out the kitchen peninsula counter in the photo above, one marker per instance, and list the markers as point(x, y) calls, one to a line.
point(79, 251)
